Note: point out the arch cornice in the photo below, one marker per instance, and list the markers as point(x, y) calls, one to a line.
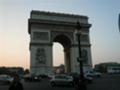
point(53, 23)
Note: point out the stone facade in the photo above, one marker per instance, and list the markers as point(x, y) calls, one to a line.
point(48, 27)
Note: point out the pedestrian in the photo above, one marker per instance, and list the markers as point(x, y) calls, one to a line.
point(76, 82)
point(16, 84)
point(82, 85)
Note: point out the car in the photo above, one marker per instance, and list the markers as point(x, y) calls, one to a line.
point(98, 74)
point(87, 79)
point(93, 74)
point(32, 78)
point(50, 76)
point(43, 76)
point(61, 80)
point(5, 79)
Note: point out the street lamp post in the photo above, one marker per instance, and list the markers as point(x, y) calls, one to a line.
point(119, 22)
point(82, 85)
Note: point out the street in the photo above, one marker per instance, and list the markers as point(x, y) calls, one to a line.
point(107, 82)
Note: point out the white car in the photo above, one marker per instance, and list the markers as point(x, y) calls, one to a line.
point(98, 74)
point(5, 79)
point(93, 74)
point(61, 80)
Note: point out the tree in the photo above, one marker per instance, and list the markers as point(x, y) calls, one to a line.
point(26, 71)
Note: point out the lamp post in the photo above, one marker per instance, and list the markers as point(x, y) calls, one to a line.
point(81, 85)
point(79, 59)
point(119, 22)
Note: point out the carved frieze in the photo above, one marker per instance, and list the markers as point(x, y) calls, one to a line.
point(41, 36)
point(40, 56)
point(83, 38)
point(84, 56)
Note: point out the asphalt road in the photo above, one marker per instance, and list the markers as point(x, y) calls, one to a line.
point(107, 82)
point(43, 85)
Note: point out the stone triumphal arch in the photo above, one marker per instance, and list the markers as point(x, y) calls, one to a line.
point(48, 27)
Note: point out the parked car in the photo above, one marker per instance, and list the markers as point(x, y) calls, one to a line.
point(5, 79)
point(61, 80)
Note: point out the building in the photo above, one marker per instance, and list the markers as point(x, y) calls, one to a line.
point(45, 28)
point(110, 67)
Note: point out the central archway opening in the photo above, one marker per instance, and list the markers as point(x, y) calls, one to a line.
point(58, 54)
point(58, 58)
point(61, 53)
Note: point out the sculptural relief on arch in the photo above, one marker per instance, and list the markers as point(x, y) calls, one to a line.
point(45, 28)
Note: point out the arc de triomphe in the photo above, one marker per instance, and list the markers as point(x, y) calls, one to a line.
point(48, 27)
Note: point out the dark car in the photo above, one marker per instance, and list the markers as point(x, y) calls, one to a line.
point(32, 78)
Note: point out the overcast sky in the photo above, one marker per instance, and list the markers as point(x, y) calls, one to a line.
point(14, 37)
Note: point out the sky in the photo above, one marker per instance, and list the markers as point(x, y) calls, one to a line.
point(14, 37)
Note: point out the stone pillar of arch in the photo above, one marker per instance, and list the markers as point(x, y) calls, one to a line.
point(48, 27)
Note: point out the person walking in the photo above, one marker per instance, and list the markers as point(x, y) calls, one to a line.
point(16, 84)
point(76, 82)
